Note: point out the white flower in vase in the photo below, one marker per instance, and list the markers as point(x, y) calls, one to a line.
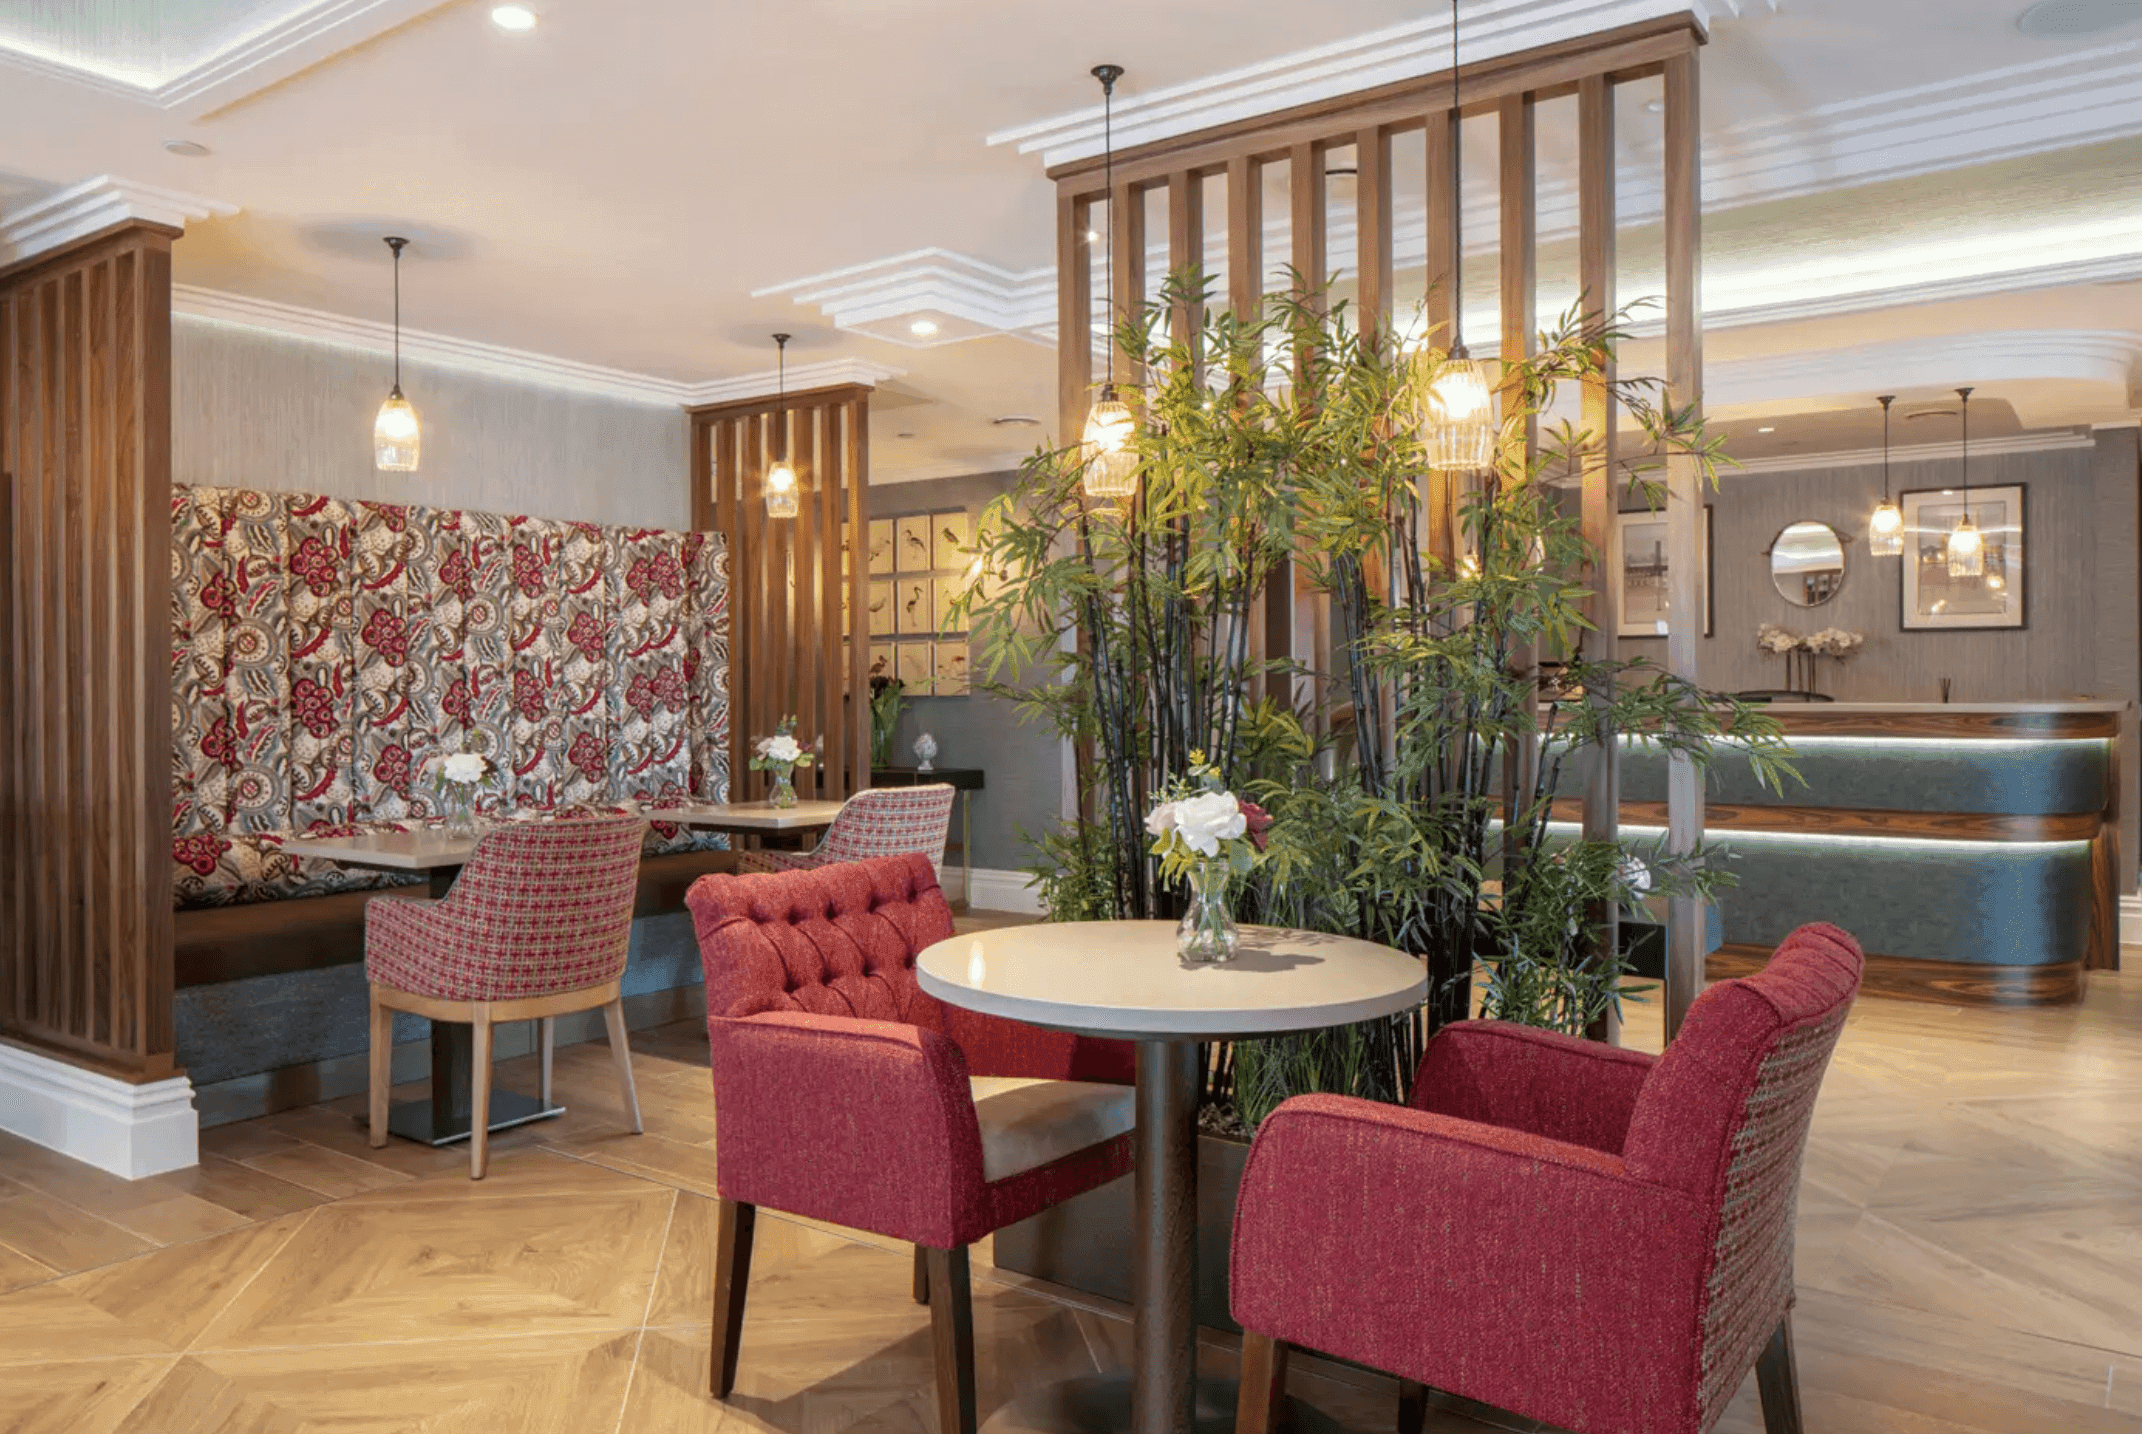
point(781, 749)
point(1161, 820)
point(466, 768)
point(1206, 820)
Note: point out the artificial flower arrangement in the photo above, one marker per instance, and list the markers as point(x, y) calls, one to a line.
point(1206, 835)
point(781, 754)
point(457, 778)
point(1800, 652)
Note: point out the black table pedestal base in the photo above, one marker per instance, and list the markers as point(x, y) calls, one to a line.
point(416, 1120)
point(1101, 1404)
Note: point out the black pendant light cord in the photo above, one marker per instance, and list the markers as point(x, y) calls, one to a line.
point(1885, 400)
point(781, 399)
point(1457, 201)
point(1965, 395)
point(396, 244)
point(1108, 75)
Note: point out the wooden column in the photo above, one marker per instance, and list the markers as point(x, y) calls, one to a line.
point(1305, 616)
point(1439, 514)
point(1128, 259)
point(1186, 245)
point(85, 649)
point(1372, 226)
point(1520, 283)
point(1684, 505)
point(791, 650)
point(1595, 269)
point(1074, 316)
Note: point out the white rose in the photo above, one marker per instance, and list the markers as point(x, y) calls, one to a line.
point(1161, 820)
point(1636, 874)
point(782, 749)
point(466, 768)
point(1206, 821)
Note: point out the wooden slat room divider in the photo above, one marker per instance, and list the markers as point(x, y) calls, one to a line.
point(796, 585)
point(85, 653)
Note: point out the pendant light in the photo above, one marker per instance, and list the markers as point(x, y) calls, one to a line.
point(1459, 426)
point(395, 438)
point(1110, 470)
point(1967, 545)
point(1885, 529)
point(782, 495)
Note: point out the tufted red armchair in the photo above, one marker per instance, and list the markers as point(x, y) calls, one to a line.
point(1583, 1235)
point(843, 1092)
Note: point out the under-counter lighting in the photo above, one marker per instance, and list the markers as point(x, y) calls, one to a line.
point(1714, 835)
point(513, 17)
point(923, 328)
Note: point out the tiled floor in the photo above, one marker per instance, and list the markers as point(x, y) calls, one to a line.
point(1970, 1260)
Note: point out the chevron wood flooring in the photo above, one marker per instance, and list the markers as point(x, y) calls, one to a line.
point(1970, 1262)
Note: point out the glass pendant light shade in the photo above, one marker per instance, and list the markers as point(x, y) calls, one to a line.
point(395, 436)
point(1458, 429)
point(782, 491)
point(1885, 530)
point(1111, 464)
point(1967, 549)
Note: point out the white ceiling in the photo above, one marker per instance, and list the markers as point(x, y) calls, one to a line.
point(615, 187)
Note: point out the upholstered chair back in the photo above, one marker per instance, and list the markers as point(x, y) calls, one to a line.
point(541, 908)
point(1724, 1115)
point(890, 821)
point(841, 940)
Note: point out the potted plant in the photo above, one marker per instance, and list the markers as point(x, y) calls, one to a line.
point(887, 696)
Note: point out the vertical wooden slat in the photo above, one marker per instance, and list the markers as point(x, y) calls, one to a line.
point(1305, 202)
point(1439, 539)
point(1304, 618)
point(47, 580)
point(1372, 226)
point(832, 654)
point(1245, 236)
point(802, 533)
point(1186, 246)
point(1127, 204)
point(748, 638)
point(1074, 322)
point(1595, 272)
point(856, 475)
point(1684, 507)
point(1520, 237)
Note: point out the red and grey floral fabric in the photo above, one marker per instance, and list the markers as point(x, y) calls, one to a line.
point(1582, 1235)
point(883, 821)
point(323, 652)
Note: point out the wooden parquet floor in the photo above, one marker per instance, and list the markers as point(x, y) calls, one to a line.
point(1970, 1259)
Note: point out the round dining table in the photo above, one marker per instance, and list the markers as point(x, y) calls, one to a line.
point(1123, 979)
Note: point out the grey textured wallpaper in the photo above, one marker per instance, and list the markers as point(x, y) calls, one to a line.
point(259, 410)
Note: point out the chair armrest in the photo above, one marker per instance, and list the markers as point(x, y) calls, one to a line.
point(1463, 1255)
point(868, 1124)
point(1541, 1082)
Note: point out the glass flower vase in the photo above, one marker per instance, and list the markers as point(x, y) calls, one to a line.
point(461, 817)
point(784, 788)
point(1208, 933)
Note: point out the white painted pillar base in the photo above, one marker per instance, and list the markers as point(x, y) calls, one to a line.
point(128, 1130)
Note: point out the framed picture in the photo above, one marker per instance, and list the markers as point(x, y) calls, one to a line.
point(912, 550)
point(881, 610)
point(949, 533)
point(951, 669)
point(917, 615)
point(881, 545)
point(881, 660)
point(1638, 553)
point(947, 591)
point(1934, 601)
point(914, 668)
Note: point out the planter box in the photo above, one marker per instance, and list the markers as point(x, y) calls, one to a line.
point(1086, 1242)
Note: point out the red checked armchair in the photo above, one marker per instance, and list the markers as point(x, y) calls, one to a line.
point(1579, 1234)
point(882, 821)
point(845, 1093)
point(537, 925)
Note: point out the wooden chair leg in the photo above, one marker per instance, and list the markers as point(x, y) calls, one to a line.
point(480, 1096)
point(734, 1224)
point(952, 1336)
point(1261, 1406)
point(1412, 1407)
point(381, 1080)
point(546, 1042)
point(1777, 1376)
point(922, 1275)
point(613, 1015)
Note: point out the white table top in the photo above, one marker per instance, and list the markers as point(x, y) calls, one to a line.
point(421, 850)
point(1123, 978)
point(746, 816)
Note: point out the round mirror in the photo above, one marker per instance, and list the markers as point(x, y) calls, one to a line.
point(1807, 564)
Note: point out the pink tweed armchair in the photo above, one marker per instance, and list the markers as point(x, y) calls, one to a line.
point(882, 821)
point(538, 924)
point(1582, 1235)
point(845, 1093)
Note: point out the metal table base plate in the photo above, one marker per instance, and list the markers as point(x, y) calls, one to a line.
point(1101, 1404)
point(414, 1120)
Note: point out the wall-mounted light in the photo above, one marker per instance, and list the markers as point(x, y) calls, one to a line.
point(396, 439)
point(783, 492)
point(1885, 526)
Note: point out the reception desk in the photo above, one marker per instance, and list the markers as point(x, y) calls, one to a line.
point(1974, 850)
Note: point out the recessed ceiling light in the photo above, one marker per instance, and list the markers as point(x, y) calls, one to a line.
point(1657, 107)
point(1016, 420)
point(191, 149)
point(2060, 19)
point(923, 328)
point(513, 17)
point(1766, 430)
point(903, 435)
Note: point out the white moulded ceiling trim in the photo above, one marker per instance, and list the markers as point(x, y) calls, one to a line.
point(1901, 454)
point(2093, 356)
point(881, 296)
point(82, 209)
point(300, 37)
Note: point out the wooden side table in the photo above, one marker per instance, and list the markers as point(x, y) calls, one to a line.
point(964, 780)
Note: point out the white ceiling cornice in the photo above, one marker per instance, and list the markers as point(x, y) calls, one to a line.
point(96, 204)
point(298, 40)
point(965, 297)
point(1915, 453)
point(1794, 381)
point(1491, 30)
point(520, 365)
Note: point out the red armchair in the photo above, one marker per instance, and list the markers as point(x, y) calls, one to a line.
point(845, 1093)
point(1579, 1234)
